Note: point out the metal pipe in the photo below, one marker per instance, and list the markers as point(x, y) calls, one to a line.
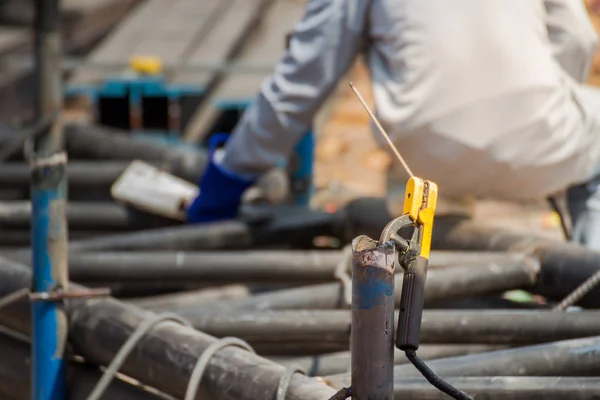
point(15, 377)
point(331, 328)
point(247, 266)
point(564, 266)
point(443, 283)
point(503, 388)
point(18, 238)
point(94, 142)
point(372, 337)
point(86, 215)
point(89, 173)
point(190, 298)
point(578, 357)
point(49, 245)
point(335, 363)
point(277, 225)
point(166, 355)
point(48, 197)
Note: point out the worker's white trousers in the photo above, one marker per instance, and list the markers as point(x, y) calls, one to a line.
point(583, 199)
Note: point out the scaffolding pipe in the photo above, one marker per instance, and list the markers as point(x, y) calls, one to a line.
point(48, 197)
point(372, 337)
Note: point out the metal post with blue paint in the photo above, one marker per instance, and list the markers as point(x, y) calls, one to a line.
point(48, 219)
point(372, 334)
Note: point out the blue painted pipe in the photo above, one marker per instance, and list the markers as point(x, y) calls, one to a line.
point(48, 236)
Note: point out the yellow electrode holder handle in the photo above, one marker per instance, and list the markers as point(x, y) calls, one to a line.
point(420, 201)
point(147, 65)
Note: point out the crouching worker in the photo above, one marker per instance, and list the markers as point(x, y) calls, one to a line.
point(485, 98)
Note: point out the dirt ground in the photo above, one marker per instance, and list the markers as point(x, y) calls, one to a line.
point(349, 164)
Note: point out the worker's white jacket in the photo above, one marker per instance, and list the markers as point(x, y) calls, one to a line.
point(481, 96)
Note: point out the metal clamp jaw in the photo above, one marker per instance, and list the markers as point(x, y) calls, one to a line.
point(420, 201)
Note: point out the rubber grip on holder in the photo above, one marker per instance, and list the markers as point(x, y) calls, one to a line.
point(411, 305)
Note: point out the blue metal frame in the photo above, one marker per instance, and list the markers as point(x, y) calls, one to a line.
point(49, 333)
point(137, 87)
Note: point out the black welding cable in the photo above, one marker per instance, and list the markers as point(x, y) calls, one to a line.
point(434, 379)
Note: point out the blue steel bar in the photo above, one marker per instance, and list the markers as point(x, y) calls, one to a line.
point(372, 333)
point(302, 176)
point(49, 274)
point(48, 225)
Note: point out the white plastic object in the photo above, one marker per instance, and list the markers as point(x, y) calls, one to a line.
point(147, 188)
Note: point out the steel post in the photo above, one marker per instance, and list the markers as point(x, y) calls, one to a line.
point(372, 336)
point(49, 226)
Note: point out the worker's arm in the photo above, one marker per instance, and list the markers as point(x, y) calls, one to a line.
point(323, 47)
point(572, 35)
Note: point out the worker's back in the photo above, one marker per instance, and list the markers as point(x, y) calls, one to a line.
point(475, 99)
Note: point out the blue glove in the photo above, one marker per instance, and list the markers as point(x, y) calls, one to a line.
point(220, 192)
